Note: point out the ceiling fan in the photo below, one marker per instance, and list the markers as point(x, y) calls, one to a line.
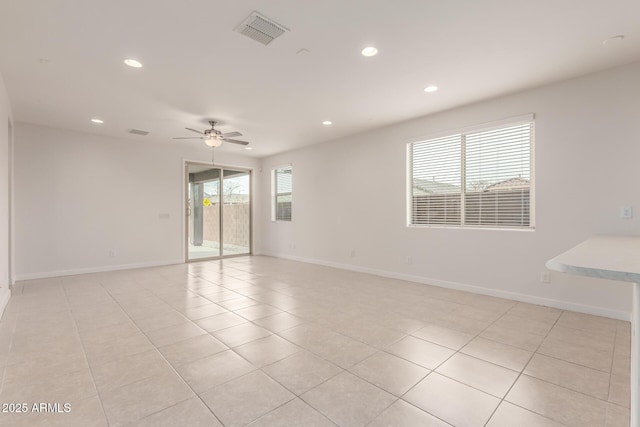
point(213, 137)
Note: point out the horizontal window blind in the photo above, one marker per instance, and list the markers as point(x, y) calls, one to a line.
point(478, 179)
point(497, 176)
point(436, 176)
point(283, 183)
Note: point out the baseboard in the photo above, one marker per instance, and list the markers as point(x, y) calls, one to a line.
point(89, 270)
point(531, 299)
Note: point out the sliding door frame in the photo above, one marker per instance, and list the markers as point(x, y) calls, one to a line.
point(185, 208)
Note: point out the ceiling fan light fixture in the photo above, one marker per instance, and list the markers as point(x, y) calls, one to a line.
point(213, 142)
point(213, 137)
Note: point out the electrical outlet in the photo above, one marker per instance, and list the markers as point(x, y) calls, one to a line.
point(545, 277)
point(626, 212)
point(409, 260)
point(112, 253)
point(353, 253)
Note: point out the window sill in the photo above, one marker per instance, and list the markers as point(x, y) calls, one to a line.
point(473, 227)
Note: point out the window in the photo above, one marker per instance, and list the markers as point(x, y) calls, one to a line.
point(281, 184)
point(480, 178)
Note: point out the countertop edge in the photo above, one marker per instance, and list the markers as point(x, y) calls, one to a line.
point(554, 265)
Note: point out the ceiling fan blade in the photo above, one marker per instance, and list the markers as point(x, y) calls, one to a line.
point(231, 134)
point(235, 141)
point(188, 137)
point(196, 131)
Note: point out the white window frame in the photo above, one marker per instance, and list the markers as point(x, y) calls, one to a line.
point(512, 121)
point(275, 194)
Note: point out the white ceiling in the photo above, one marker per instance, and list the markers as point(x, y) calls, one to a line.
point(62, 62)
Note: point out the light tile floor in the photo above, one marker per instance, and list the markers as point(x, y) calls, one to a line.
point(270, 342)
point(212, 249)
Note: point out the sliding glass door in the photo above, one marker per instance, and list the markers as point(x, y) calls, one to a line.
point(218, 212)
point(236, 211)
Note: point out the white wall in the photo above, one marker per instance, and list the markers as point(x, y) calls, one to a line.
point(78, 196)
point(5, 196)
point(349, 194)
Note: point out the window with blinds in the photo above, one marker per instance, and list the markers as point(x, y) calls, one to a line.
point(282, 190)
point(481, 178)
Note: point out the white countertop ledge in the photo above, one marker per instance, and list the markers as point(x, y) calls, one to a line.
point(606, 257)
point(614, 258)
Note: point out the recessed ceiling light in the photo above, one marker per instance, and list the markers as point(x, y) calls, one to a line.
point(327, 123)
point(613, 40)
point(248, 148)
point(133, 63)
point(369, 51)
point(98, 121)
point(431, 88)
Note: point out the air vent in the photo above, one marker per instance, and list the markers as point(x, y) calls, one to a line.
point(139, 132)
point(260, 28)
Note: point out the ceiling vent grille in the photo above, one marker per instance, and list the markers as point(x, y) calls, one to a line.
point(139, 132)
point(260, 28)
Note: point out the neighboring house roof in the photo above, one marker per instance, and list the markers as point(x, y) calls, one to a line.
point(509, 184)
point(424, 186)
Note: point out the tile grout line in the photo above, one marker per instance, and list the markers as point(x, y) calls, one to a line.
point(299, 396)
point(13, 334)
point(305, 296)
point(295, 395)
point(342, 370)
point(479, 335)
point(167, 362)
point(444, 361)
point(522, 373)
point(75, 323)
point(613, 358)
point(459, 351)
point(240, 355)
point(211, 333)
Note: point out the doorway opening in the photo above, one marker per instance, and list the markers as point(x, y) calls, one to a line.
point(218, 220)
